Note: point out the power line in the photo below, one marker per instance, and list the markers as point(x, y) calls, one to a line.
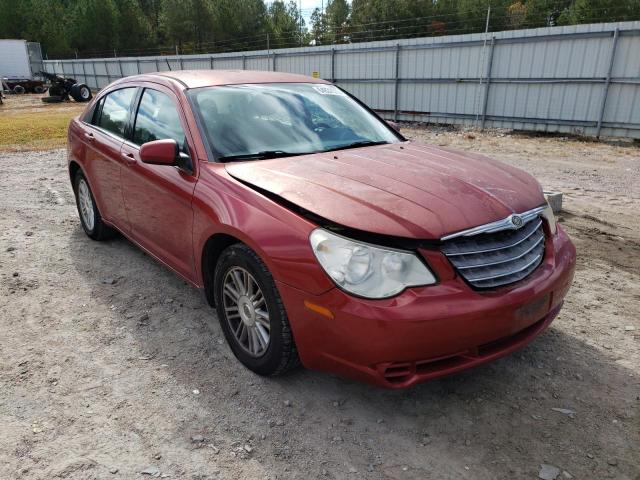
point(353, 33)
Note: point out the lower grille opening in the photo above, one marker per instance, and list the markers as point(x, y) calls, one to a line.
point(401, 372)
point(439, 365)
point(502, 343)
point(398, 372)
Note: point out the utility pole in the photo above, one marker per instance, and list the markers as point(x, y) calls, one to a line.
point(481, 64)
point(300, 13)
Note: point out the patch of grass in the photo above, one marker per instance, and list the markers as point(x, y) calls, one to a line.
point(32, 126)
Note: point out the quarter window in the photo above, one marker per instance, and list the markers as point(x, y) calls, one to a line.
point(158, 119)
point(114, 111)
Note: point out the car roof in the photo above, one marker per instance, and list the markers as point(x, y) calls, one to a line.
point(207, 78)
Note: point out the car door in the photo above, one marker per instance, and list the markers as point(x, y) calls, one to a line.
point(157, 197)
point(103, 139)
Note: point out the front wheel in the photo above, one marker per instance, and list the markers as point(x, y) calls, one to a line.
point(90, 217)
point(251, 313)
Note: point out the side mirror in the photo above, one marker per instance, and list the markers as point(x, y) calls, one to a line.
point(394, 125)
point(160, 152)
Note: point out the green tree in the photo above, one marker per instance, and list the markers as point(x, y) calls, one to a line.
point(240, 24)
point(337, 19)
point(93, 26)
point(13, 18)
point(134, 29)
point(284, 23)
point(594, 11)
point(389, 19)
point(100, 26)
point(187, 23)
point(152, 10)
point(319, 28)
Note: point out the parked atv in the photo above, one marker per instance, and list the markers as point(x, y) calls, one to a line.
point(62, 88)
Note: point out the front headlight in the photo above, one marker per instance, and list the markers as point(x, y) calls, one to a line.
point(367, 270)
point(548, 215)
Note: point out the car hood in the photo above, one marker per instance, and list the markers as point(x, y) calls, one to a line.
point(407, 190)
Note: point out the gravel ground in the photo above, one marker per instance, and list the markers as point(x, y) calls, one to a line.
point(112, 367)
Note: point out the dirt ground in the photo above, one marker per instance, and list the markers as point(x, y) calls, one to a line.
point(112, 367)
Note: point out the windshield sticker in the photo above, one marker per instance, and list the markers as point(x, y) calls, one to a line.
point(328, 90)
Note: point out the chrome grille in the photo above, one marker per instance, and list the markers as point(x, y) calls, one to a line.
point(488, 260)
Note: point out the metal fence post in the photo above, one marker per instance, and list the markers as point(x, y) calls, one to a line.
point(273, 66)
point(84, 73)
point(120, 67)
point(95, 74)
point(211, 62)
point(607, 82)
point(486, 89)
point(181, 64)
point(138, 65)
point(244, 62)
point(333, 65)
point(396, 85)
point(157, 65)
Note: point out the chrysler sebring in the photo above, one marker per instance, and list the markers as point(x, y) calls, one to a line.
point(317, 231)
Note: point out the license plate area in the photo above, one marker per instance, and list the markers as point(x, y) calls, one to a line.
point(533, 310)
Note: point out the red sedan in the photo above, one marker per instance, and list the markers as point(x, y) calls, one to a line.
point(319, 233)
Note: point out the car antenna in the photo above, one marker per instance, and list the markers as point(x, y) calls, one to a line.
point(168, 64)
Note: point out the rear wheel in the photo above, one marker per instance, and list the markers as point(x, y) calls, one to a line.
point(90, 217)
point(81, 92)
point(19, 89)
point(251, 313)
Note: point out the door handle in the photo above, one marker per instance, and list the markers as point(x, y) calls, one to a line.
point(129, 158)
point(89, 136)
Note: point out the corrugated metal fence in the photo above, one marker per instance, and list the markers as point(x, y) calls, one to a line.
point(582, 79)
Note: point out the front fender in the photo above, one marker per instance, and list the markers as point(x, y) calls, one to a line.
point(279, 236)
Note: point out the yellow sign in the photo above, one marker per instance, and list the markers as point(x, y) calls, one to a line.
point(315, 74)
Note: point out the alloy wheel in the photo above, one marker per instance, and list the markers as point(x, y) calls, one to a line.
point(246, 311)
point(86, 204)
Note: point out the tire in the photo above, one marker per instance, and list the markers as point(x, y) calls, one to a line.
point(52, 99)
point(279, 355)
point(39, 89)
point(90, 217)
point(81, 92)
point(55, 91)
point(19, 90)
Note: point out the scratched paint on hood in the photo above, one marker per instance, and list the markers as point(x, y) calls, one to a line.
point(407, 190)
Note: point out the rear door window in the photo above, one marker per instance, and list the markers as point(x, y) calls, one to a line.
point(158, 119)
point(114, 111)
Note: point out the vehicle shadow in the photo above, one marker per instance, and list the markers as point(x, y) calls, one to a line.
point(496, 421)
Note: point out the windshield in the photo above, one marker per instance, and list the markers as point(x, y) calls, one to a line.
point(245, 122)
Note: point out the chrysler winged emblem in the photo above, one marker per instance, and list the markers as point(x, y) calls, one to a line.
point(516, 220)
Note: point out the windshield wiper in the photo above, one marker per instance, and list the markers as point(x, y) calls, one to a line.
point(260, 155)
point(360, 143)
point(265, 154)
